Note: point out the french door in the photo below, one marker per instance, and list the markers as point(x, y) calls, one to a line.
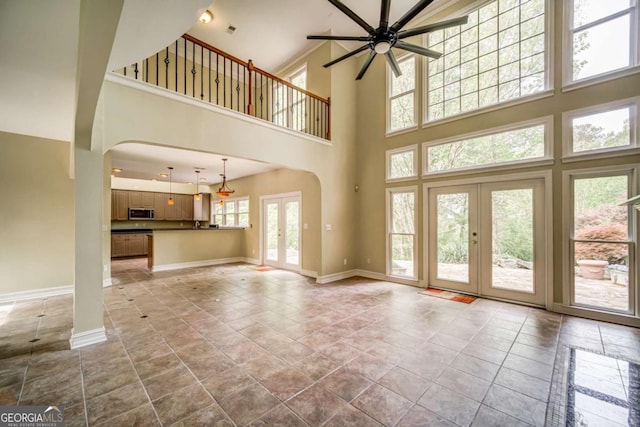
point(488, 239)
point(281, 231)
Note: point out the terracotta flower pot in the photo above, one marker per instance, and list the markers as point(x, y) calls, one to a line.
point(592, 268)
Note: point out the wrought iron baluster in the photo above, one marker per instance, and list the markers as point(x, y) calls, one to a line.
point(217, 80)
point(125, 70)
point(237, 86)
point(176, 72)
point(209, 76)
point(193, 70)
point(146, 70)
point(184, 78)
point(201, 73)
point(135, 70)
point(157, 67)
point(166, 70)
point(224, 81)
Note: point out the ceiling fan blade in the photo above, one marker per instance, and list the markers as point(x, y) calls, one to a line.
point(393, 63)
point(354, 38)
point(416, 9)
point(418, 49)
point(353, 52)
point(366, 64)
point(384, 13)
point(433, 27)
point(351, 14)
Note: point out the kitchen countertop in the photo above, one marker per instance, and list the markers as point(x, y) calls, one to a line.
point(147, 231)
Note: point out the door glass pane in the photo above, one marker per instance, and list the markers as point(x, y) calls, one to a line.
point(402, 255)
point(403, 211)
point(453, 237)
point(272, 232)
point(292, 226)
point(601, 269)
point(512, 240)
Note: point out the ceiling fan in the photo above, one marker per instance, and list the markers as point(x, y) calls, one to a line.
point(380, 40)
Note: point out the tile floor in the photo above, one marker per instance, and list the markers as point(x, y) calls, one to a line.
point(229, 345)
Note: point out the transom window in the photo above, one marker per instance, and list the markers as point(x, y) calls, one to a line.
point(602, 37)
point(601, 129)
point(515, 144)
point(402, 163)
point(498, 56)
point(402, 97)
point(231, 212)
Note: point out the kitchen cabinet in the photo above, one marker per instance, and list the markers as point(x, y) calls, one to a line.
point(202, 208)
point(159, 203)
point(119, 205)
point(129, 244)
point(186, 204)
point(141, 199)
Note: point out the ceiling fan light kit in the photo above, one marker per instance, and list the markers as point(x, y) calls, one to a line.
point(380, 40)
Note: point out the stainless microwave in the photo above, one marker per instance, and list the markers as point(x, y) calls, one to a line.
point(140, 213)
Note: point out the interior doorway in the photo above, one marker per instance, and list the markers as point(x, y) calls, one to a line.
point(281, 231)
point(488, 239)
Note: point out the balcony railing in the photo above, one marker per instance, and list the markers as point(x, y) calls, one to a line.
point(194, 68)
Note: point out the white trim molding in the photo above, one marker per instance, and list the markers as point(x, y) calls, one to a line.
point(35, 294)
point(366, 274)
point(191, 264)
point(83, 339)
point(335, 277)
point(309, 273)
point(107, 282)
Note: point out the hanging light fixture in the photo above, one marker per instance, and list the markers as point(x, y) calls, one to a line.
point(197, 196)
point(170, 202)
point(224, 190)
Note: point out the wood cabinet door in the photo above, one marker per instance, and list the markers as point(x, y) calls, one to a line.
point(120, 199)
point(159, 203)
point(135, 199)
point(171, 212)
point(135, 244)
point(147, 199)
point(187, 207)
point(118, 245)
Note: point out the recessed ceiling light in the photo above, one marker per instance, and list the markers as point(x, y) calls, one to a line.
point(116, 170)
point(164, 175)
point(206, 17)
point(190, 183)
point(203, 179)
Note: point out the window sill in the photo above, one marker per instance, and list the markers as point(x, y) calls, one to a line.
point(540, 95)
point(391, 133)
point(403, 179)
point(600, 78)
point(600, 154)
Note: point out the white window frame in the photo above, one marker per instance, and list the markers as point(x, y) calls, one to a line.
point(567, 61)
point(546, 159)
point(286, 110)
point(390, 77)
point(548, 91)
point(567, 130)
point(390, 153)
point(224, 214)
point(410, 189)
point(568, 271)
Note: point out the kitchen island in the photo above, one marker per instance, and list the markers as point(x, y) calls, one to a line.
point(172, 249)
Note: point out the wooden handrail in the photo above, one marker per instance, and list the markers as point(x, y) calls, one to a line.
point(256, 69)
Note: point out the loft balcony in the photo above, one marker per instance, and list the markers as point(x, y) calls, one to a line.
point(194, 68)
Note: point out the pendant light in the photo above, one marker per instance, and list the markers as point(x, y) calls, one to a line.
point(224, 191)
point(170, 202)
point(197, 196)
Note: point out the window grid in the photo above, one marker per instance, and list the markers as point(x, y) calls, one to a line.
point(396, 99)
point(510, 79)
point(231, 213)
point(583, 26)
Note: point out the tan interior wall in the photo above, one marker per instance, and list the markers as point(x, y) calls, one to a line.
point(278, 182)
point(177, 246)
point(36, 213)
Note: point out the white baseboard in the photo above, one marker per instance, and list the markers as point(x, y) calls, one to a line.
point(379, 276)
point(35, 294)
point(107, 282)
point(84, 339)
point(309, 273)
point(253, 261)
point(204, 263)
point(335, 276)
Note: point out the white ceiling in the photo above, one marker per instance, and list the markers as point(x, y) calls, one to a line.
point(273, 32)
point(143, 161)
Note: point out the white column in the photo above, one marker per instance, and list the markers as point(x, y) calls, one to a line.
point(88, 326)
